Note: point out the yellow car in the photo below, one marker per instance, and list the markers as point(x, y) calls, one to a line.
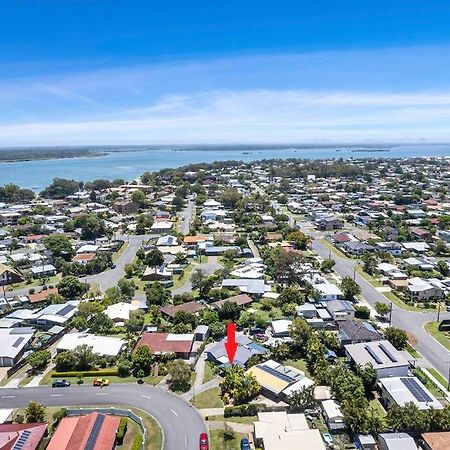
point(101, 382)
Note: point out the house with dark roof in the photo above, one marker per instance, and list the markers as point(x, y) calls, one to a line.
point(245, 350)
point(240, 300)
point(93, 431)
point(190, 307)
point(354, 331)
point(26, 436)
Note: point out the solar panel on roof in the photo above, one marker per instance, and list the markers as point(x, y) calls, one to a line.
point(277, 374)
point(373, 354)
point(18, 342)
point(90, 444)
point(420, 394)
point(65, 310)
point(388, 353)
point(22, 440)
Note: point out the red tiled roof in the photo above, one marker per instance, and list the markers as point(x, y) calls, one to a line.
point(195, 239)
point(10, 433)
point(158, 343)
point(73, 433)
point(42, 295)
point(83, 257)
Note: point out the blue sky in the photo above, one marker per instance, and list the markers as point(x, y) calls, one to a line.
point(113, 72)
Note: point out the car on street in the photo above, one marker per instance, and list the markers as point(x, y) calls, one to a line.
point(204, 445)
point(101, 382)
point(60, 383)
point(245, 445)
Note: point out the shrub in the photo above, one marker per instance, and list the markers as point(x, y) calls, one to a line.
point(244, 410)
point(137, 443)
point(123, 425)
point(86, 373)
point(362, 312)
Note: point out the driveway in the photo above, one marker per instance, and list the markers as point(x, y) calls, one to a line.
point(187, 217)
point(181, 423)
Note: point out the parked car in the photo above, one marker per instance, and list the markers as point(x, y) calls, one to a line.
point(204, 445)
point(245, 445)
point(60, 383)
point(262, 337)
point(101, 382)
point(256, 330)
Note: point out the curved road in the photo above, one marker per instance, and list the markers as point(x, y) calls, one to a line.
point(181, 423)
point(411, 321)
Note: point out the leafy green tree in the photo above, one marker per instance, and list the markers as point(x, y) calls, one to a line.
point(229, 311)
point(135, 322)
point(382, 308)
point(291, 294)
point(368, 376)
point(154, 258)
point(143, 223)
point(300, 333)
point(229, 197)
point(60, 188)
point(71, 288)
point(139, 197)
point(397, 337)
point(186, 318)
point(302, 399)
point(369, 263)
point(327, 265)
point(299, 239)
point(443, 268)
point(350, 288)
point(64, 361)
point(38, 360)
point(35, 413)
point(180, 375)
point(237, 387)
point(91, 225)
point(80, 323)
point(84, 358)
point(197, 278)
point(60, 246)
point(100, 323)
point(142, 359)
point(126, 287)
point(156, 294)
point(440, 247)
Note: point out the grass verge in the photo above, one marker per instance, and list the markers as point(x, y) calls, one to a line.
point(433, 329)
point(333, 249)
point(225, 439)
point(208, 399)
point(113, 379)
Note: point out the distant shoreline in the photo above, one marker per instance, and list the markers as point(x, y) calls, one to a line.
point(50, 157)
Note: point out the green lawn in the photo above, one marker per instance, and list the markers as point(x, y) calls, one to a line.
point(133, 430)
point(401, 304)
point(433, 329)
point(299, 364)
point(413, 352)
point(208, 399)
point(333, 249)
point(177, 281)
point(375, 403)
point(116, 256)
point(34, 283)
point(438, 376)
point(247, 419)
point(221, 440)
point(372, 280)
point(113, 379)
point(210, 372)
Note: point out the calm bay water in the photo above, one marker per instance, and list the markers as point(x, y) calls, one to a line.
point(129, 165)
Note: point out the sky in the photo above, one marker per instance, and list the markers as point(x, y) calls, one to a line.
point(169, 72)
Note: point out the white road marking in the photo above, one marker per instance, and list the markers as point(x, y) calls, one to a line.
point(8, 396)
point(174, 412)
point(185, 440)
point(55, 395)
point(146, 396)
point(102, 393)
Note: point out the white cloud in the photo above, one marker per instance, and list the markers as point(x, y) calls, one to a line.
point(254, 116)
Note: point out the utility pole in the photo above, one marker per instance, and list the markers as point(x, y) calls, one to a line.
point(390, 315)
point(438, 311)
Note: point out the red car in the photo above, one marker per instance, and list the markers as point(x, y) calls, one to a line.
point(204, 442)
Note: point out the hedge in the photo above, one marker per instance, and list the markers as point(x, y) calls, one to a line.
point(86, 373)
point(137, 443)
point(122, 430)
point(244, 410)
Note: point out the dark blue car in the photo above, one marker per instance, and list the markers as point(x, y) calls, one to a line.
point(245, 444)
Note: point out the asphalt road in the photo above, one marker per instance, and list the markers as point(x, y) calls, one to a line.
point(187, 217)
point(180, 422)
point(411, 321)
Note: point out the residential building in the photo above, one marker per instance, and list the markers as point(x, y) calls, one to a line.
point(403, 390)
point(22, 436)
point(9, 275)
point(102, 345)
point(382, 355)
point(396, 441)
point(436, 440)
point(341, 309)
point(126, 207)
point(282, 431)
point(354, 332)
point(120, 312)
point(333, 415)
point(163, 343)
point(13, 343)
point(94, 431)
point(420, 290)
point(393, 248)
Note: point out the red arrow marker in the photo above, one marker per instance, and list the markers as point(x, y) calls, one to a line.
point(230, 345)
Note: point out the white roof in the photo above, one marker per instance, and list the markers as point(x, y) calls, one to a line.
point(162, 225)
point(120, 310)
point(5, 414)
point(180, 337)
point(332, 409)
point(88, 248)
point(281, 325)
point(13, 340)
point(103, 345)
